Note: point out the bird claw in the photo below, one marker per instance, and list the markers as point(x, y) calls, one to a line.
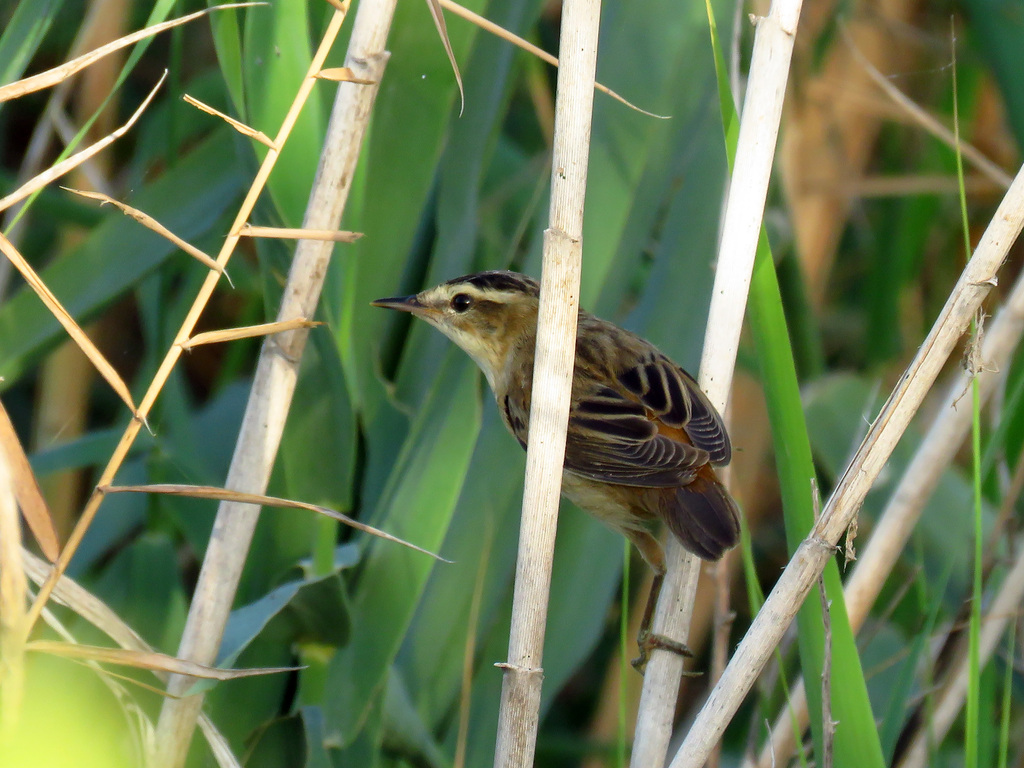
point(648, 641)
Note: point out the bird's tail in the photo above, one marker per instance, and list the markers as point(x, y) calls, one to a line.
point(706, 519)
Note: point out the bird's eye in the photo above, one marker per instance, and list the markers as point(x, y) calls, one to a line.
point(461, 302)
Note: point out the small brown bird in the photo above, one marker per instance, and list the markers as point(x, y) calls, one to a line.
point(642, 438)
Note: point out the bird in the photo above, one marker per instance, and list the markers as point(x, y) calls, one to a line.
point(642, 439)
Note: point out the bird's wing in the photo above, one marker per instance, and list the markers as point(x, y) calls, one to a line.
point(614, 438)
point(676, 401)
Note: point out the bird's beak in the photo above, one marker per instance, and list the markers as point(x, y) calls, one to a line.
point(401, 303)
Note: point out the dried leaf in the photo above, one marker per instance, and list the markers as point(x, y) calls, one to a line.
point(499, 31)
point(342, 75)
point(26, 489)
point(294, 233)
point(223, 494)
point(151, 660)
point(239, 126)
point(233, 334)
point(442, 30)
point(96, 357)
point(58, 170)
point(150, 223)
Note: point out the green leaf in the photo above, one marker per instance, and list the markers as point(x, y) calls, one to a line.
point(318, 449)
point(227, 40)
point(143, 584)
point(405, 733)
point(22, 35)
point(856, 743)
point(307, 611)
point(277, 55)
point(398, 169)
point(418, 506)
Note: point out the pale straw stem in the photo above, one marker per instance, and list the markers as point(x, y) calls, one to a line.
point(744, 211)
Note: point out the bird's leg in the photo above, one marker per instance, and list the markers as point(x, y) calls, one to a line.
point(647, 640)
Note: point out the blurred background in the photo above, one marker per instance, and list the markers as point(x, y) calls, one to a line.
point(394, 426)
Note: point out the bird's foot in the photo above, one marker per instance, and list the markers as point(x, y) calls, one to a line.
point(648, 641)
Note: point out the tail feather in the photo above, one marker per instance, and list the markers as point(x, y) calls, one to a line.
point(704, 517)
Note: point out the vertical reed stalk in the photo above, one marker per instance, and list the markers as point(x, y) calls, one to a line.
point(549, 411)
point(744, 210)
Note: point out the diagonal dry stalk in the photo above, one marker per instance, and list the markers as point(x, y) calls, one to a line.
point(748, 190)
point(150, 223)
point(74, 330)
point(176, 349)
point(936, 451)
point(788, 595)
point(57, 75)
point(552, 383)
point(277, 370)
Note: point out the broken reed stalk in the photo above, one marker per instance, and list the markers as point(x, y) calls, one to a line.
point(274, 381)
point(787, 596)
point(552, 382)
point(919, 481)
point(744, 211)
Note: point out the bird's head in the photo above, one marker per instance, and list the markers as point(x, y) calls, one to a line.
point(486, 314)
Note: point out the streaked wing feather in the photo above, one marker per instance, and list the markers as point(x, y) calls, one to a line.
point(676, 399)
point(612, 439)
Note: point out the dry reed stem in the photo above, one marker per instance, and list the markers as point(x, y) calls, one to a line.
point(149, 660)
point(950, 699)
point(52, 77)
point(73, 329)
point(498, 31)
point(152, 224)
point(934, 454)
point(744, 211)
point(519, 715)
point(13, 596)
point(258, 499)
point(799, 576)
point(26, 489)
point(247, 332)
point(300, 233)
point(188, 324)
point(238, 125)
point(61, 168)
point(277, 370)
